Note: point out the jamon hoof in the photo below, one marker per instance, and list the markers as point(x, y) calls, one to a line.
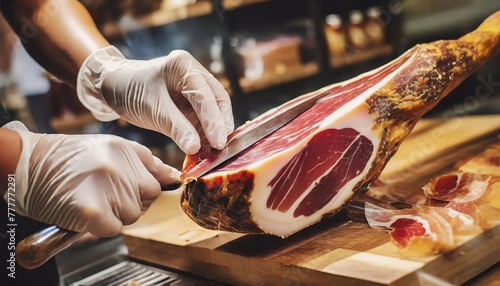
point(314, 165)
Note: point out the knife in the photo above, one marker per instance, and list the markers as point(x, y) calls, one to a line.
point(39, 247)
point(243, 140)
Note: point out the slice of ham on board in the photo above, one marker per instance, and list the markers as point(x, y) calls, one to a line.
point(474, 194)
point(313, 166)
point(458, 204)
point(458, 187)
point(422, 230)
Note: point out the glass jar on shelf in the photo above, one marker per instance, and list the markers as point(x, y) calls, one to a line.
point(357, 35)
point(216, 64)
point(375, 26)
point(335, 35)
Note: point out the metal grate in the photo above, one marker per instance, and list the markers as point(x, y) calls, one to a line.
point(123, 273)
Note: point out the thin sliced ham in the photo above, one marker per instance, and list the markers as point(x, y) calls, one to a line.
point(458, 186)
point(476, 195)
point(458, 204)
point(313, 166)
point(422, 229)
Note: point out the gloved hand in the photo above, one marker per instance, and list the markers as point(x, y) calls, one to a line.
point(86, 183)
point(174, 95)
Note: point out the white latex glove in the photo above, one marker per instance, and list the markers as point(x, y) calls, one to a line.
point(174, 95)
point(86, 183)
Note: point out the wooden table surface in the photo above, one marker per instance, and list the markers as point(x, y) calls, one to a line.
point(490, 277)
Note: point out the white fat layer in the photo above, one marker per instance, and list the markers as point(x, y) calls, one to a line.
point(465, 219)
point(476, 187)
point(352, 115)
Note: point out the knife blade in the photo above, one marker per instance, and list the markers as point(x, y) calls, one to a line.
point(242, 141)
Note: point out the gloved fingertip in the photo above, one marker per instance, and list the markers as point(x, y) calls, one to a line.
point(220, 143)
point(217, 138)
point(230, 129)
point(173, 173)
point(191, 148)
point(166, 174)
point(188, 140)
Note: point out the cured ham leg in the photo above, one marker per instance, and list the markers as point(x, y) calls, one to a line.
point(313, 166)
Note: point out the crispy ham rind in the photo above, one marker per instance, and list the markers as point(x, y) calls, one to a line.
point(313, 166)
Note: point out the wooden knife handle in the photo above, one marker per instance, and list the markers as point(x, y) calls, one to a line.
point(36, 249)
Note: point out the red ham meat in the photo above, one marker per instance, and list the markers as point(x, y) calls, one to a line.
point(314, 165)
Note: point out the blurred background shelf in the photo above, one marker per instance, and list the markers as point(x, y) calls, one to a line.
point(428, 17)
point(358, 56)
point(278, 77)
point(233, 4)
point(72, 124)
point(168, 13)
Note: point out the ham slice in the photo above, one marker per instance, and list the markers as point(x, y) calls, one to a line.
point(474, 194)
point(458, 187)
point(313, 166)
point(484, 215)
point(423, 229)
point(457, 204)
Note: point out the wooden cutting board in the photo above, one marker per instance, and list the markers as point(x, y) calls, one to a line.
point(338, 251)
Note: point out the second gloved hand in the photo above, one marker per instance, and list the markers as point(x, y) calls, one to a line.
point(86, 183)
point(174, 95)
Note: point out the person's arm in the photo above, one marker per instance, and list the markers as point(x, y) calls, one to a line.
point(60, 35)
point(7, 37)
point(10, 151)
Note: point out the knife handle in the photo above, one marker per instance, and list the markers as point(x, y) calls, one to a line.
point(36, 249)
